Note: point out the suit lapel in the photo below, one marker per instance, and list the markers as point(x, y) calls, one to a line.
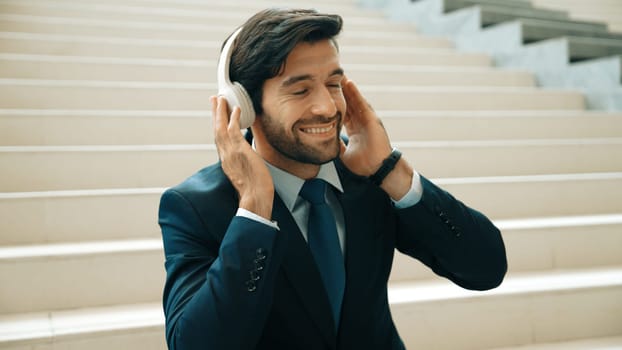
point(360, 260)
point(358, 223)
point(301, 271)
point(363, 246)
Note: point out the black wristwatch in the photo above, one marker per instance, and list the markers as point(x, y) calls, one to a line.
point(387, 165)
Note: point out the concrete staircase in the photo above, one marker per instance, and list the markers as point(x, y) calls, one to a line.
point(608, 11)
point(104, 104)
point(539, 36)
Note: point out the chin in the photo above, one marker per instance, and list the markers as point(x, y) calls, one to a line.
point(323, 157)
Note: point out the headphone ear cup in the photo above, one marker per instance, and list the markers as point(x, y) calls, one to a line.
point(243, 99)
point(236, 95)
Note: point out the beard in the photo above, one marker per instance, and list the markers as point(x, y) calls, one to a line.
point(291, 146)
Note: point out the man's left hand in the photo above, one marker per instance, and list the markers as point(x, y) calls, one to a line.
point(369, 143)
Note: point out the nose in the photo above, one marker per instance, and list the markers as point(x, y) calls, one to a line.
point(323, 103)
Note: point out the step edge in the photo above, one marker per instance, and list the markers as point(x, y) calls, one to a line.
point(533, 282)
point(398, 114)
point(111, 247)
point(446, 144)
point(400, 293)
point(440, 181)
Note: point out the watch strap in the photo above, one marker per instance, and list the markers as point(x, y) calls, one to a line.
point(387, 166)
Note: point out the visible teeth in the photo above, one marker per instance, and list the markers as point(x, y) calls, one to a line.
point(317, 130)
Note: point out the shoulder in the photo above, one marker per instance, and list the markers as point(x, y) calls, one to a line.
point(210, 179)
point(208, 189)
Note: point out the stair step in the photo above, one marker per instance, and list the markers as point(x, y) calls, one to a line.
point(491, 17)
point(163, 14)
point(10, 22)
point(521, 4)
point(238, 5)
point(535, 307)
point(608, 12)
point(188, 33)
point(25, 127)
point(106, 68)
point(81, 275)
point(231, 13)
point(131, 213)
point(557, 21)
point(572, 6)
point(133, 9)
point(511, 11)
point(110, 269)
point(80, 45)
point(606, 343)
point(582, 48)
point(535, 30)
point(68, 94)
point(607, 15)
point(46, 23)
point(66, 216)
point(576, 3)
point(586, 48)
point(420, 310)
point(505, 125)
point(509, 197)
point(563, 243)
point(35, 168)
point(122, 327)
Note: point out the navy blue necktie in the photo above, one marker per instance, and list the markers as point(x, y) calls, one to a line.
point(324, 244)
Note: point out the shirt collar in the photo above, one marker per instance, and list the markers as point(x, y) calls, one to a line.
point(287, 186)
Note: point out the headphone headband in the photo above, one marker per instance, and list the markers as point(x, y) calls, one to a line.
point(225, 59)
point(234, 92)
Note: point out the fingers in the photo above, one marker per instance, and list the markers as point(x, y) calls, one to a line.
point(234, 121)
point(226, 127)
point(359, 112)
point(221, 119)
point(355, 100)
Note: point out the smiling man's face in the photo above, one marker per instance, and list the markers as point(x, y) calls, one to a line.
point(303, 107)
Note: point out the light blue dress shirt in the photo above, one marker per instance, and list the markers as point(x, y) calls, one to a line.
point(288, 186)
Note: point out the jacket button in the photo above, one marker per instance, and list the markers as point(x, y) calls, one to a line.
point(250, 286)
point(260, 253)
point(455, 230)
point(254, 275)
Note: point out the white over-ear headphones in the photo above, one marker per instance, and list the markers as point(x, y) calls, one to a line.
point(234, 92)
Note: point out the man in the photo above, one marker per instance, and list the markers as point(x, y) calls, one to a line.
point(241, 237)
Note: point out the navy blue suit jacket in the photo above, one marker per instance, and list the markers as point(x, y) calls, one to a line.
point(233, 283)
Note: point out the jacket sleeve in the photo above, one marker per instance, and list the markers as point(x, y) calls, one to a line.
point(454, 240)
point(217, 294)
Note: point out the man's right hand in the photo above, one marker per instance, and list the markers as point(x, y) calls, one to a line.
point(243, 166)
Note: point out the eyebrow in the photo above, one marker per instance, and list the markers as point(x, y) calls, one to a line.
point(293, 80)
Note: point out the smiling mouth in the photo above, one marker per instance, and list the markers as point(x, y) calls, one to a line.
point(318, 130)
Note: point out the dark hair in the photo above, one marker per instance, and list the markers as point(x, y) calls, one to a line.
point(267, 38)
